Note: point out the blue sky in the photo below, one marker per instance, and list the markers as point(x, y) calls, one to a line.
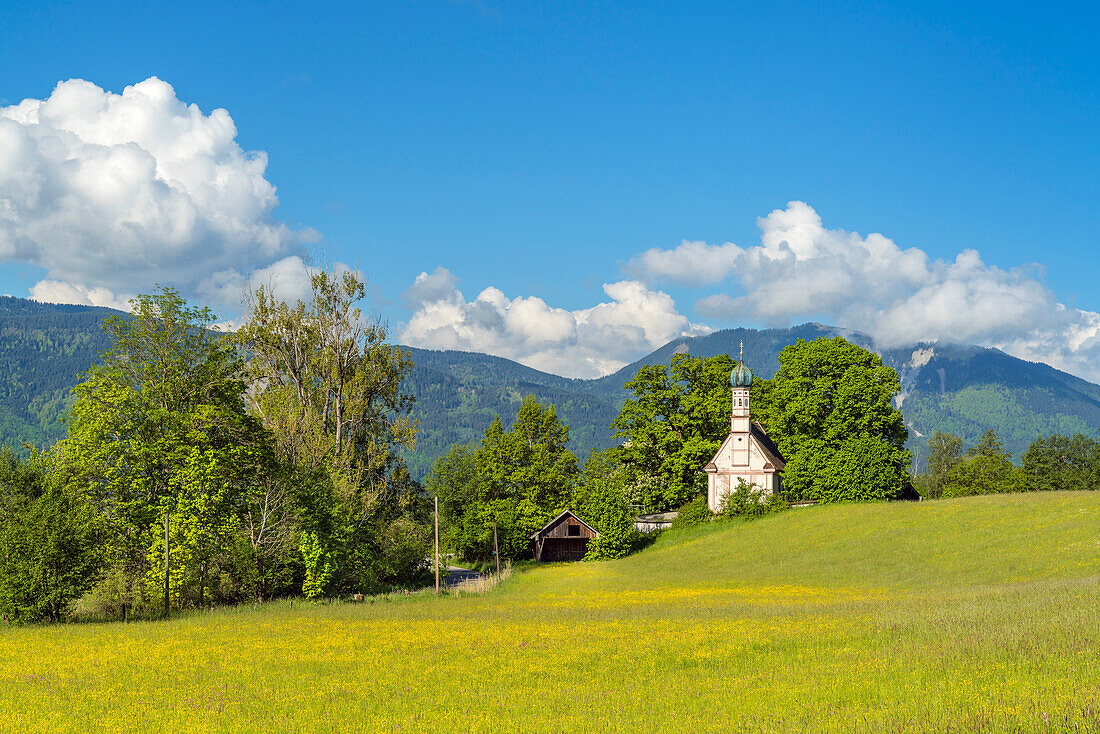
point(541, 148)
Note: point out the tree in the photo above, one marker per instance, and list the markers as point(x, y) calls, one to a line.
point(49, 540)
point(1063, 463)
point(830, 409)
point(516, 479)
point(269, 526)
point(674, 424)
point(601, 502)
point(985, 469)
point(454, 480)
point(328, 386)
point(859, 468)
point(944, 454)
point(159, 429)
point(989, 445)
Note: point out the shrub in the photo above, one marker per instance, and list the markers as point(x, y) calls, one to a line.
point(749, 501)
point(693, 513)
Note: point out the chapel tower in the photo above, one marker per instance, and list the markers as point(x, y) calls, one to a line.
point(740, 382)
point(747, 456)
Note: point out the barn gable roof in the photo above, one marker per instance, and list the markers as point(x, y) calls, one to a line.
point(553, 523)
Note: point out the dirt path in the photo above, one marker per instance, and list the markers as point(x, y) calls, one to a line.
point(456, 576)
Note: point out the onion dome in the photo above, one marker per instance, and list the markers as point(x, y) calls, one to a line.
point(741, 376)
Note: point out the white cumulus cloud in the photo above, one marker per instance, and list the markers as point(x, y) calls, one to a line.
point(584, 343)
point(115, 192)
point(56, 291)
point(897, 295)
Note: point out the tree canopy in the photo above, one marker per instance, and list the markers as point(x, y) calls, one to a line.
point(673, 425)
point(830, 409)
point(159, 428)
point(327, 385)
point(518, 478)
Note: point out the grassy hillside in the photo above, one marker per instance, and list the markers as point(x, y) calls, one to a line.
point(978, 614)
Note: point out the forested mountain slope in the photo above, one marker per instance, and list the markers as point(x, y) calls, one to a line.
point(43, 350)
point(961, 389)
point(459, 393)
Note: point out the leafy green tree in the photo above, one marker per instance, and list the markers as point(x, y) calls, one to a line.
point(985, 469)
point(50, 539)
point(944, 454)
point(329, 389)
point(526, 477)
point(830, 409)
point(454, 480)
point(601, 502)
point(518, 479)
point(856, 469)
point(989, 445)
point(1063, 463)
point(159, 429)
point(674, 424)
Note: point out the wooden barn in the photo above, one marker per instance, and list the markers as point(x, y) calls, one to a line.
point(565, 538)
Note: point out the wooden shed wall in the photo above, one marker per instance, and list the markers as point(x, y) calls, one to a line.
point(564, 549)
point(561, 530)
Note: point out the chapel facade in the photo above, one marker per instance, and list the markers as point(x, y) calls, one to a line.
point(747, 453)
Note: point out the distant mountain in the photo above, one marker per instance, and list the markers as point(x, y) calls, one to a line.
point(956, 388)
point(459, 393)
point(43, 350)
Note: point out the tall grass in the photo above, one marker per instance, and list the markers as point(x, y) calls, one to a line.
point(977, 614)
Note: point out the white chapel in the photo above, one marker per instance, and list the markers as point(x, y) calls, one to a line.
point(747, 453)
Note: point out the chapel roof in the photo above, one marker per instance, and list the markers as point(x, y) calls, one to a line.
point(741, 376)
point(767, 446)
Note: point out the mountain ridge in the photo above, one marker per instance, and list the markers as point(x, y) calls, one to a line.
point(959, 388)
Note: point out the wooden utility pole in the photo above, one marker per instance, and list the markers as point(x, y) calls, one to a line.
point(496, 550)
point(166, 562)
point(437, 544)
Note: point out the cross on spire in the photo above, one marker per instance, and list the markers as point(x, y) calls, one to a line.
point(741, 355)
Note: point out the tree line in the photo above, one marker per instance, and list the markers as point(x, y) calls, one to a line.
point(1051, 463)
point(202, 467)
point(829, 408)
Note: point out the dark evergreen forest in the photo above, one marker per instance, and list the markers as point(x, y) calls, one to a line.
point(43, 350)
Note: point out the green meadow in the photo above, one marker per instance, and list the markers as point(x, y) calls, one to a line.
point(976, 614)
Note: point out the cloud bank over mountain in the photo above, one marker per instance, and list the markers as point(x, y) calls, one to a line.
point(584, 343)
point(898, 296)
point(110, 193)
